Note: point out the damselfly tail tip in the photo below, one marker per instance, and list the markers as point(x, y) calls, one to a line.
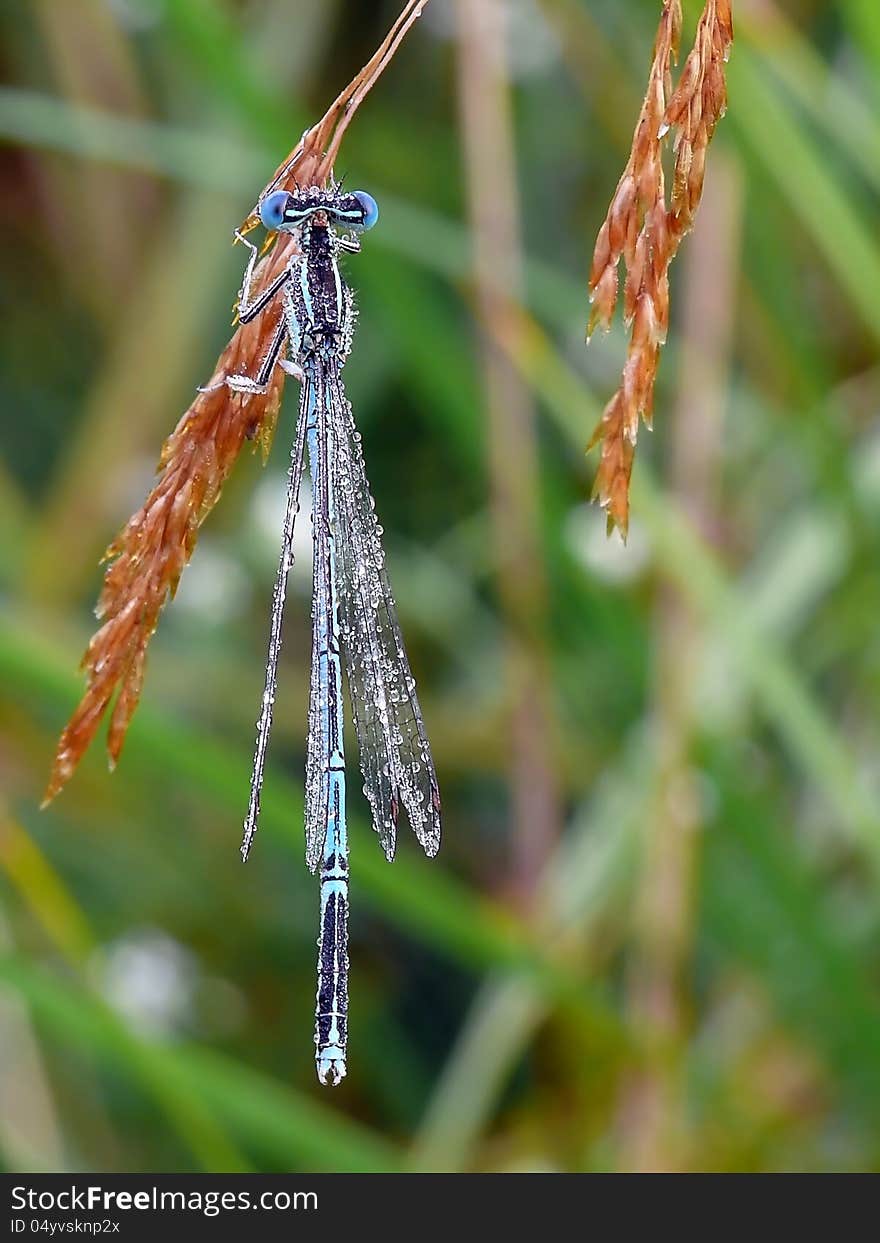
point(331, 1066)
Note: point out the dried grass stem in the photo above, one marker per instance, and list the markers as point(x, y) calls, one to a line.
point(642, 230)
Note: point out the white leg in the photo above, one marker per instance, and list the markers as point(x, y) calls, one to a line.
point(245, 292)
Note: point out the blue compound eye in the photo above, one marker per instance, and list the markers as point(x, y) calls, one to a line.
point(272, 209)
point(371, 209)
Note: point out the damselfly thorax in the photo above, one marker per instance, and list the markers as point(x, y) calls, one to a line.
point(318, 304)
point(354, 618)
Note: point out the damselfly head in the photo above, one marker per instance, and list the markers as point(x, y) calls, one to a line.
point(284, 212)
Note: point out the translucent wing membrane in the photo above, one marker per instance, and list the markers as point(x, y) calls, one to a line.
point(395, 758)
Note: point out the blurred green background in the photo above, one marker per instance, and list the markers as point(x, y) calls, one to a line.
point(652, 936)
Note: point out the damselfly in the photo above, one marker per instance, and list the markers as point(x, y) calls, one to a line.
point(354, 618)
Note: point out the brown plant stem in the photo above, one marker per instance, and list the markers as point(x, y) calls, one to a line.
point(642, 230)
point(493, 203)
point(150, 553)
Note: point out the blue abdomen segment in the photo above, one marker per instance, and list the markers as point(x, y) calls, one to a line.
point(331, 1010)
point(326, 773)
